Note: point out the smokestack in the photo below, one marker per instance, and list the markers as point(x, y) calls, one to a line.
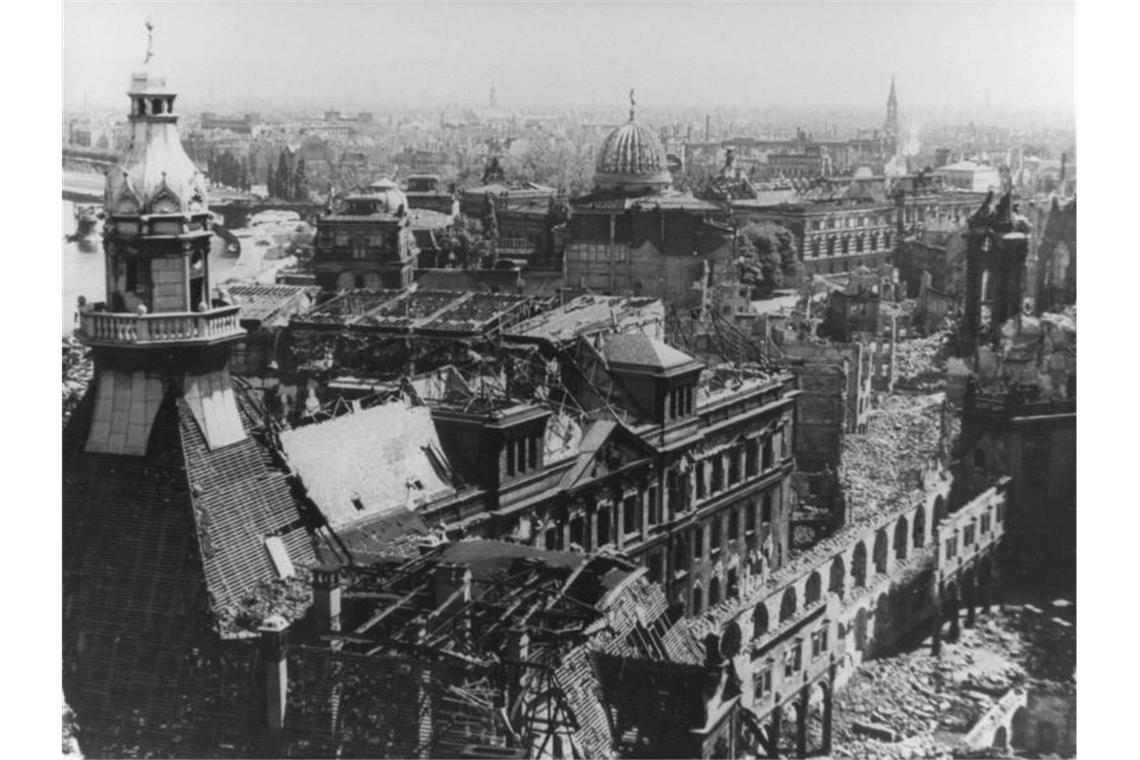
point(274, 648)
point(326, 598)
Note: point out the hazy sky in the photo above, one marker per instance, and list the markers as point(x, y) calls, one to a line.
point(705, 54)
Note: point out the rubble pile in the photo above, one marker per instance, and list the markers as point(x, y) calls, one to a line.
point(70, 743)
point(930, 703)
point(77, 372)
point(920, 363)
point(884, 466)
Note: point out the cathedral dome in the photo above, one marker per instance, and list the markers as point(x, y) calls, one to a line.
point(632, 159)
point(155, 176)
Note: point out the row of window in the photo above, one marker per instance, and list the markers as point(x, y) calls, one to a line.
point(792, 660)
point(600, 254)
point(846, 245)
point(848, 222)
point(723, 470)
point(520, 455)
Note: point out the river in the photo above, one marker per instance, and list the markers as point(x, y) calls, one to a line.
point(83, 267)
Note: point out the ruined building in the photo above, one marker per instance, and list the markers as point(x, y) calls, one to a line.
point(996, 251)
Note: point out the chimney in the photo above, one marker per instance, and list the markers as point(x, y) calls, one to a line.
point(274, 648)
point(708, 120)
point(326, 598)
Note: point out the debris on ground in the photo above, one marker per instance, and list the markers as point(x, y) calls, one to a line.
point(77, 372)
point(931, 703)
point(920, 363)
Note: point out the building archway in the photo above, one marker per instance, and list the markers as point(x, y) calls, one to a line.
point(919, 530)
point(1001, 739)
point(859, 565)
point(902, 540)
point(788, 604)
point(813, 589)
point(759, 620)
point(939, 509)
point(880, 552)
point(836, 576)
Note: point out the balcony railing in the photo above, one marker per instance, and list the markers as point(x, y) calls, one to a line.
point(110, 329)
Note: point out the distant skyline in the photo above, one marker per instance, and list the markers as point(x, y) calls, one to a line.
point(707, 55)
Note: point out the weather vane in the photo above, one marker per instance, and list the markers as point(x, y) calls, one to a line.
point(149, 41)
point(632, 104)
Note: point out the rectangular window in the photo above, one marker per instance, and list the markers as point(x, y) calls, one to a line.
point(793, 658)
point(698, 542)
point(766, 508)
point(734, 466)
point(510, 453)
point(631, 515)
point(749, 518)
point(673, 403)
point(733, 524)
point(763, 683)
point(819, 642)
point(717, 473)
point(699, 471)
point(605, 530)
point(577, 532)
point(751, 458)
point(715, 537)
point(654, 505)
point(768, 453)
point(968, 535)
point(532, 444)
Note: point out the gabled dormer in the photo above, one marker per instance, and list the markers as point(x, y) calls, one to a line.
point(659, 379)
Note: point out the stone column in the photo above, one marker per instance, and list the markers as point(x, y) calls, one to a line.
point(828, 696)
point(970, 602)
point(955, 631)
point(936, 633)
point(777, 720)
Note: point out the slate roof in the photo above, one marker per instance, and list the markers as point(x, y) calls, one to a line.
point(260, 303)
point(158, 551)
point(638, 349)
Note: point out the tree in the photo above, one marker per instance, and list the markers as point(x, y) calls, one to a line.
point(284, 177)
point(300, 181)
point(771, 250)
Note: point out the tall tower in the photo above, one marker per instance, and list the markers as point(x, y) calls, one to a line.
point(173, 511)
point(157, 315)
point(891, 126)
point(493, 101)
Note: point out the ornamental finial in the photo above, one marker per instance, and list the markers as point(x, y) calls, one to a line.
point(632, 104)
point(149, 41)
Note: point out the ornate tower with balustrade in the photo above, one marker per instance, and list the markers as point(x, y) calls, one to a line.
point(157, 332)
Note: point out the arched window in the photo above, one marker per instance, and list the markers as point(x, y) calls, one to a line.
point(698, 600)
point(919, 530)
point(859, 565)
point(813, 589)
point(788, 604)
point(901, 539)
point(836, 576)
point(880, 553)
point(759, 620)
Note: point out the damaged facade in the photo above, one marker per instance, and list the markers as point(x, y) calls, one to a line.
point(432, 523)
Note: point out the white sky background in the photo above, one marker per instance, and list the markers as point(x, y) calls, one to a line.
point(396, 54)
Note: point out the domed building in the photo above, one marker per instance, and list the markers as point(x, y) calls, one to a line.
point(635, 234)
point(366, 241)
point(632, 161)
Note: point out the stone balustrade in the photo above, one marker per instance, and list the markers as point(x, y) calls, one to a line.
point(110, 329)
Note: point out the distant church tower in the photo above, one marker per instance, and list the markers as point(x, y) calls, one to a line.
point(493, 101)
point(891, 127)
